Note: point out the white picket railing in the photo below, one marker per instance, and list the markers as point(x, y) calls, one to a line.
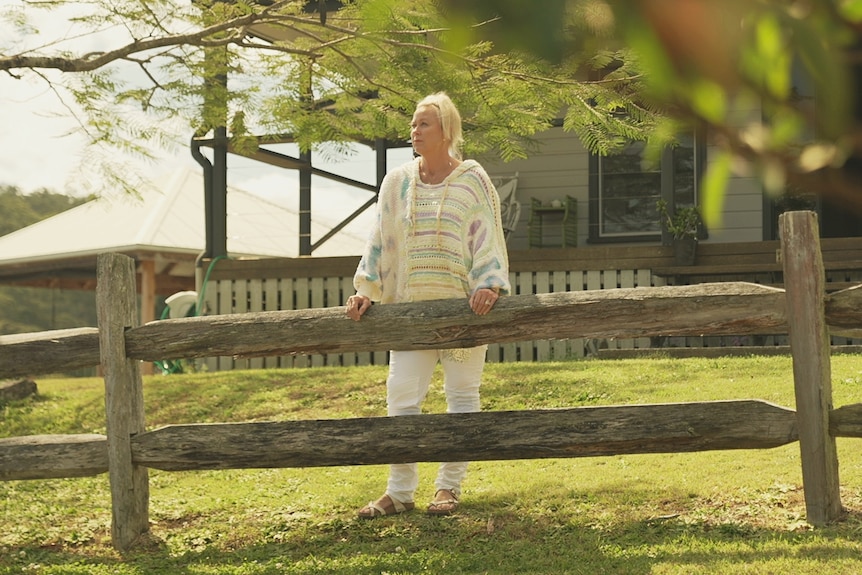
point(269, 285)
point(228, 296)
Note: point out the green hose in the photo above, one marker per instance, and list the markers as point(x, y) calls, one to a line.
point(169, 366)
point(206, 280)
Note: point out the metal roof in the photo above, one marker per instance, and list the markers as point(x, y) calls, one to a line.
point(165, 223)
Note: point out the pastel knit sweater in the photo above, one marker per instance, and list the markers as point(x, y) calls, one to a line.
point(436, 241)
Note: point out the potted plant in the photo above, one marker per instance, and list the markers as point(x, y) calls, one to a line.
point(683, 225)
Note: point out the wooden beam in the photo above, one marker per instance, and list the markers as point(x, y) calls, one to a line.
point(499, 435)
point(721, 308)
point(124, 398)
point(53, 456)
point(717, 309)
point(804, 279)
point(844, 312)
point(846, 421)
point(52, 351)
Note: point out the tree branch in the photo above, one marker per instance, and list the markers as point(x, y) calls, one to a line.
point(203, 38)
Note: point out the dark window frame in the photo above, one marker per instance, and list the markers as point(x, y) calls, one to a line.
point(666, 187)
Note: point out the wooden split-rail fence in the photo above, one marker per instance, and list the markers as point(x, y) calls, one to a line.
point(128, 449)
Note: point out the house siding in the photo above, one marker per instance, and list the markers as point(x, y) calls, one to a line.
point(561, 168)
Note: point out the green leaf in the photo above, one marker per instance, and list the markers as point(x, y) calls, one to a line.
point(851, 9)
point(820, 155)
point(708, 100)
point(713, 188)
point(819, 55)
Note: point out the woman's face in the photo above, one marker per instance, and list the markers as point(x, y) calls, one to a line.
point(426, 131)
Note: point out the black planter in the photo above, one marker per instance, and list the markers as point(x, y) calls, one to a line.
point(684, 251)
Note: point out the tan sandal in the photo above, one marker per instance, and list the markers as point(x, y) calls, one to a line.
point(446, 506)
point(380, 509)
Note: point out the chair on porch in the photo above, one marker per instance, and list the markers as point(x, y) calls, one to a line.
point(510, 208)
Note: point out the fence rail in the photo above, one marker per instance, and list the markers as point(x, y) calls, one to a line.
point(241, 286)
point(505, 435)
point(128, 449)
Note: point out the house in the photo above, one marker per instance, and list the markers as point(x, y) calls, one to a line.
point(605, 201)
point(586, 222)
point(599, 230)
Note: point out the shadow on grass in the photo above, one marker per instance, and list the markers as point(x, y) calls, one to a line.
point(559, 531)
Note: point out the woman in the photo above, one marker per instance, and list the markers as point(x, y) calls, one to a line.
point(438, 235)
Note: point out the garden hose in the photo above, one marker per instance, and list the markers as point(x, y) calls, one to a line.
point(169, 366)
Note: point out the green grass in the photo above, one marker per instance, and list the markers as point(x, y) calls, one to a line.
point(713, 512)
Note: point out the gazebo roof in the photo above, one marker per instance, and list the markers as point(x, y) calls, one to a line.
point(165, 224)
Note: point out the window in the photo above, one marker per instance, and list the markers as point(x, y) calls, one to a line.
point(624, 191)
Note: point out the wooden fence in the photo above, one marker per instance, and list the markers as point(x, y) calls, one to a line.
point(241, 286)
point(804, 311)
point(282, 284)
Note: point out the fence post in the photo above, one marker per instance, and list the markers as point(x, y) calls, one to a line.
point(804, 282)
point(124, 398)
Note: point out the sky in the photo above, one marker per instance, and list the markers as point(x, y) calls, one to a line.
point(37, 150)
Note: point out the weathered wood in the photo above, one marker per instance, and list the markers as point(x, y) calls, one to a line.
point(804, 279)
point(29, 354)
point(75, 348)
point(53, 456)
point(846, 421)
point(124, 399)
point(16, 390)
point(720, 308)
point(500, 435)
point(844, 312)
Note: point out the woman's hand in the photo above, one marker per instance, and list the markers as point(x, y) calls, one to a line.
point(483, 300)
point(356, 306)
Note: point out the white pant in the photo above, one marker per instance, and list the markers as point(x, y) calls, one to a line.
point(410, 375)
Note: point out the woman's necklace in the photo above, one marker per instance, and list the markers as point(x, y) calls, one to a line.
point(430, 177)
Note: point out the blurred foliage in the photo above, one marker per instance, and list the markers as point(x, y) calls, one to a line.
point(703, 61)
point(614, 70)
point(32, 309)
point(18, 210)
point(169, 71)
point(26, 309)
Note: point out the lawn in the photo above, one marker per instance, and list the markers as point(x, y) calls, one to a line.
point(719, 512)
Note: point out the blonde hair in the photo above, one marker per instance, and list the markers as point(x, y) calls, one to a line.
point(450, 119)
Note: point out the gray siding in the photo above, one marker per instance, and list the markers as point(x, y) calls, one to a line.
point(558, 170)
point(561, 168)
